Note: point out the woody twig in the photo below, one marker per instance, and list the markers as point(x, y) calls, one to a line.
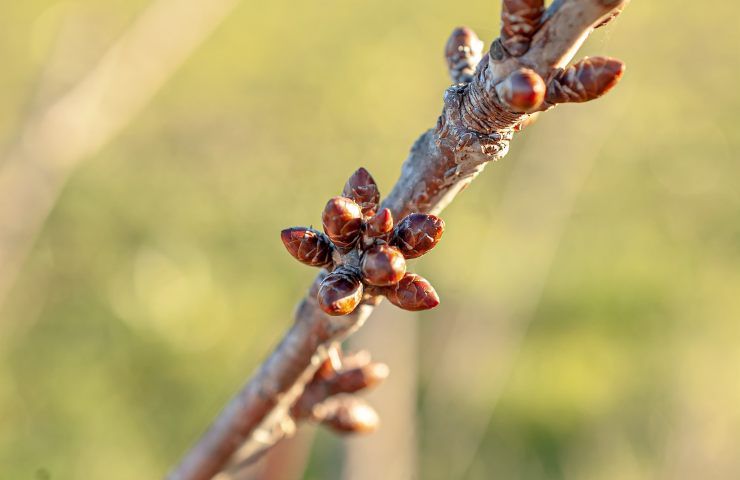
point(525, 71)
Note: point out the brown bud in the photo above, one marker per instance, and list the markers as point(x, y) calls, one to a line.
point(585, 80)
point(356, 379)
point(520, 19)
point(522, 91)
point(417, 234)
point(463, 52)
point(348, 415)
point(342, 220)
point(340, 292)
point(307, 246)
point(383, 265)
point(380, 224)
point(362, 189)
point(413, 293)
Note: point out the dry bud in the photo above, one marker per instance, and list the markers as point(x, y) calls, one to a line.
point(417, 234)
point(379, 224)
point(307, 246)
point(349, 415)
point(413, 293)
point(340, 292)
point(585, 80)
point(362, 189)
point(520, 19)
point(463, 52)
point(522, 91)
point(342, 220)
point(383, 265)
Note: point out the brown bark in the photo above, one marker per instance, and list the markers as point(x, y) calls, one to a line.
point(475, 128)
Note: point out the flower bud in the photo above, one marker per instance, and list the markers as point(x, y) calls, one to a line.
point(413, 293)
point(379, 224)
point(342, 219)
point(340, 293)
point(307, 246)
point(417, 234)
point(356, 379)
point(383, 265)
point(585, 80)
point(349, 415)
point(522, 91)
point(463, 52)
point(520, 19)
point(362, 189)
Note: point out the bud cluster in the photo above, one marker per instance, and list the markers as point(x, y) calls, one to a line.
point(364, 252)
point(330, 397)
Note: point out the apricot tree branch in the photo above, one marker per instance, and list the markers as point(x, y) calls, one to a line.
point(479, 118)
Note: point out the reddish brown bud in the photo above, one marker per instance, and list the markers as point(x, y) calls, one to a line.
point(585, 80)
point(356, 379)
point(342, 220)
point(413, 293)
point(340, 292)
point(417, 234)
point(307, 246)
point(349, 415)
point(522, 91)
point(520, 19)
point(463, 52)
point(362, 189)
point(380, 224)
point(383, 265)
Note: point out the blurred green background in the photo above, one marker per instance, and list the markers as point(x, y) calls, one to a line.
point(590, 281)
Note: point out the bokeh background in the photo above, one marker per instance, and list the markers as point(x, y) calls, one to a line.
point(152, 151)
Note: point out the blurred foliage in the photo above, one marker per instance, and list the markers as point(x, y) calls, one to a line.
point(159, 282)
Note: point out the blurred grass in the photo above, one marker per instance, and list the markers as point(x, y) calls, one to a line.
point(159, 281)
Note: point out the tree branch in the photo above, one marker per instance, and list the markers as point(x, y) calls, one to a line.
point(478, 120)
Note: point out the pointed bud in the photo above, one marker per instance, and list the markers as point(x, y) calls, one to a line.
point(308, 246)
point(342, 219)
point(356, 379)
point(380, 224)
point(417, 234)
point(463, 52)
point(520, 19)
point(349, 415)
point(522, 91)
point(585, 80)
point(362, 189)
point(413, 293)
point(340, 293)
point(383, 265)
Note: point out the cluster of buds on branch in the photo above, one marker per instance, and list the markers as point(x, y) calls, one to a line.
point(364, 252)
point(329, 398)
point(526, 71)
point(525, 90)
